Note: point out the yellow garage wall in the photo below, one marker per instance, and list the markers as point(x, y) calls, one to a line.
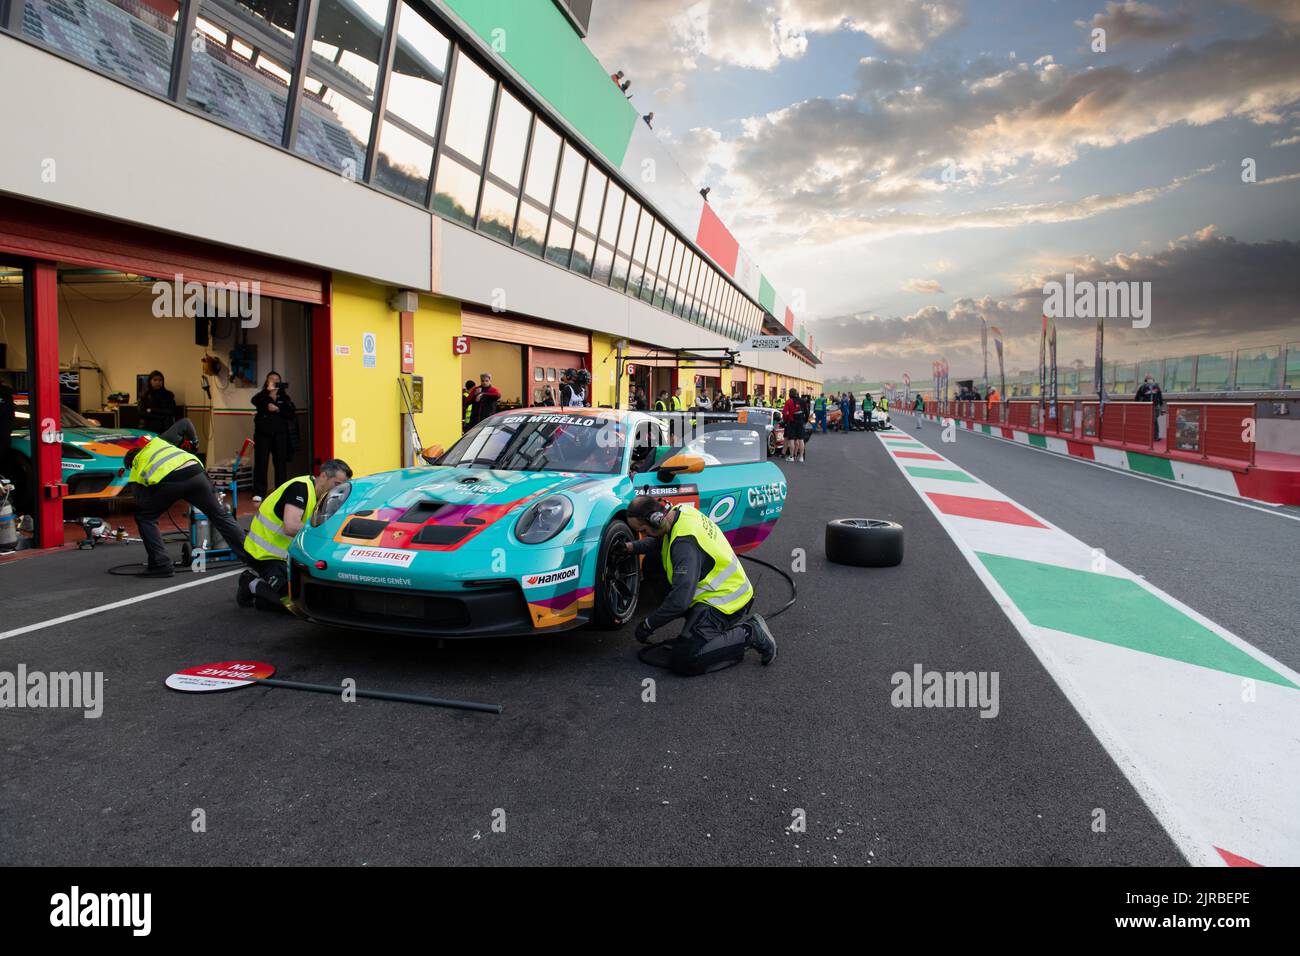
point(686, 381)
point(436, 324)
point(368, 402)
point(604, 372)
point(367, 422)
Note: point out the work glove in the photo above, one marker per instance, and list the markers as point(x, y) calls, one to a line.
point(644, 630)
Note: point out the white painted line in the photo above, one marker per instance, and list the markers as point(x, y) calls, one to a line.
point(126, 602)
point(1262, 506)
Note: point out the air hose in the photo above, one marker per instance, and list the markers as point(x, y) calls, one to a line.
point(643, 655)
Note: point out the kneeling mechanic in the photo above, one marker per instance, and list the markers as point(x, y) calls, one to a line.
point(282, 515)
point(707, 585)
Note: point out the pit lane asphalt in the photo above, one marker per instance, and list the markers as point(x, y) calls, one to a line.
point(584, 770)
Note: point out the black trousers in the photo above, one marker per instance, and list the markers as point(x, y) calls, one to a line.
point(194, 489)
point(275, 445)
point(270, 582)
point(710, 640)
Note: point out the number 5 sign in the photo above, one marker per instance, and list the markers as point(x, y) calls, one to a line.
point(460, 345)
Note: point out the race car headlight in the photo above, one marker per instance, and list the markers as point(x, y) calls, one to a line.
point(331, 503)
point(543, 520)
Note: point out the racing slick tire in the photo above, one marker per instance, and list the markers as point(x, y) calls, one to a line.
point(771, 443)
point(864, 542)
point(618, 579)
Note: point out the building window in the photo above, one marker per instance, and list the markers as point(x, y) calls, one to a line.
point(505, 170)
point(413, 100)
point(238, 80)
point(636, 277)
point(688, 288)
point(568, 190)
point(338, 99)
point(665, 270)
point(539, 187)
point(626, 234)
point(608, 234)
point(672, 297)
point(593, 198)
point(687, 285)
point(131, 40)
point(460, 167)
point(715, 302)
point(706, 296)
point(654, 252)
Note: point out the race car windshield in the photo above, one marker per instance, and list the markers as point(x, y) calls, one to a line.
point(541, 443)
point(67, 417)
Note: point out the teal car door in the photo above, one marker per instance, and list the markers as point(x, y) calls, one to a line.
point(737, 487)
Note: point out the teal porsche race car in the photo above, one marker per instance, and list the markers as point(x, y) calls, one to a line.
point(91, 457)
point(519, 527)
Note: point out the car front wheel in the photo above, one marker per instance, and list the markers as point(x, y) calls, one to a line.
point(618, 578)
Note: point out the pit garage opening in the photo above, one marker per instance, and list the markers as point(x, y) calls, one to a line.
point(90, 310)
point(213, 346)
point(525, 359)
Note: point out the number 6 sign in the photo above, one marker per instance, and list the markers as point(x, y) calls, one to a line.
point(460, 345)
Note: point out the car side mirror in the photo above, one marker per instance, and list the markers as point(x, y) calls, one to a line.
point(433, 453)
point(680, 465)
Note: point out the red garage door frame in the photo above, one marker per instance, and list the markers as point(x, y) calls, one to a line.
point(43, 236)
point(55, 234)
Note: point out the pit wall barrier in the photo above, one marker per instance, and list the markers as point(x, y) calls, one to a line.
point(1209, 445)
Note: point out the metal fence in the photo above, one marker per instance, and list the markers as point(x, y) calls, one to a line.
point(1268, 368)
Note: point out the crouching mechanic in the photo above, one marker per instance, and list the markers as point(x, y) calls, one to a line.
point(707, 584)
point(167, 472)
point(282, 515)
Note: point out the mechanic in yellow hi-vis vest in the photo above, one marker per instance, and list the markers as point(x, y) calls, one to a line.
point(707, 585)
point(165, 472)
point(282, 515)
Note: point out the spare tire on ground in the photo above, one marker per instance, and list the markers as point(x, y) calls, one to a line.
point(864, 542)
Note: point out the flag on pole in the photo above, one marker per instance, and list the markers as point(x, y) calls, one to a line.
point(1042, 371)
point(1002, 372)
point(1052, 350)
point(1099, 368)
point(984, 347)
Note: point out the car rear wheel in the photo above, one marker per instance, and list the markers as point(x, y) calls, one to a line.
point(618, 578)
point(771, 443)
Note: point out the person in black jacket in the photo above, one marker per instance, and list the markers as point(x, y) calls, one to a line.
point(271, 427)
point(1149, 391)
point(157, 405)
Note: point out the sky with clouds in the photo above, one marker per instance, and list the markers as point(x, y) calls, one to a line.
point(912, 168)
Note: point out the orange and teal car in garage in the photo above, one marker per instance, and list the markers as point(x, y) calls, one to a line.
point(92, 456)
point(519, 528)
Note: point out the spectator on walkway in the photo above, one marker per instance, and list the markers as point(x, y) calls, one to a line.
point(793, 416)
point(1149, 391)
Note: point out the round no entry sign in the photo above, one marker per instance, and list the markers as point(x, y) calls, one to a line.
point(227, 675)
